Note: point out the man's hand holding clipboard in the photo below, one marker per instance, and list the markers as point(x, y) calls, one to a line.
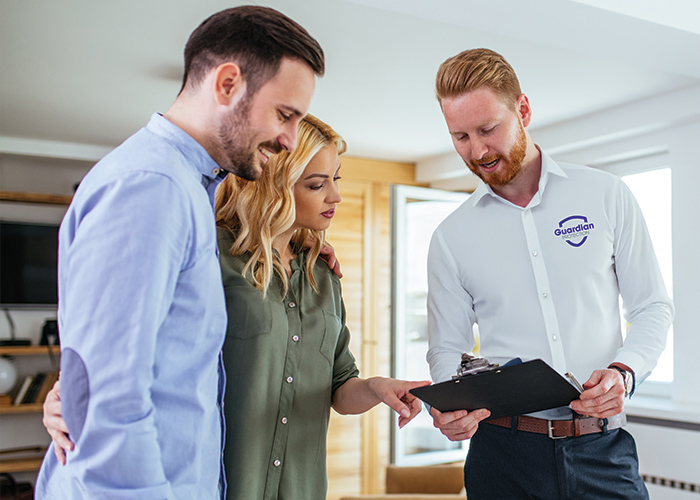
point(494, 392)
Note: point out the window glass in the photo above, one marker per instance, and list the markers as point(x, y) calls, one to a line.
point(416, 213)
point(652, 189)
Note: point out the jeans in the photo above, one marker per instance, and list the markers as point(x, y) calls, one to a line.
point(508, 464)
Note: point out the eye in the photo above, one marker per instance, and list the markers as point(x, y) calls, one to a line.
point(336, 178)
point(316, 187)
point(284, 116)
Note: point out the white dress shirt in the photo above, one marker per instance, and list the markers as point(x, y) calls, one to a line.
point(543, 281)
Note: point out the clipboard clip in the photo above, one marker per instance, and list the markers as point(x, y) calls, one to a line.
point(570, 377)
point(472, 364)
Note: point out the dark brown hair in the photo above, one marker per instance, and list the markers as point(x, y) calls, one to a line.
point(255, 38)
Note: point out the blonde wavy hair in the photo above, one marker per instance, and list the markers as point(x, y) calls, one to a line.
point(256, 212)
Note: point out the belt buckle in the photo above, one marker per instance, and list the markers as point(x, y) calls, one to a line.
point(550, 427)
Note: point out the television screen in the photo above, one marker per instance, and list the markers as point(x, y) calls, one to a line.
point(28, 264)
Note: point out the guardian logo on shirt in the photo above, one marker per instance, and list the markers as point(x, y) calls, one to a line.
point(574, 230)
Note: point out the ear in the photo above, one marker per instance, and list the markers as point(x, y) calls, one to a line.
point(228, 83)
point(522, 106)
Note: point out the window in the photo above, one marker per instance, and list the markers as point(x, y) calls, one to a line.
point(416, 212)
point(652, 189)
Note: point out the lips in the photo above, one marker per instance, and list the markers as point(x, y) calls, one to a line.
point(490, 164)
point(265, 153)
point(328, 214)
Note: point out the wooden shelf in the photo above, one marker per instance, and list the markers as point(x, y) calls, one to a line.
point(29, 350)
point(45, 199)
point(16, 409)
point(12, 465)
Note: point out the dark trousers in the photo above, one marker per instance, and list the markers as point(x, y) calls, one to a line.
point(506, 464)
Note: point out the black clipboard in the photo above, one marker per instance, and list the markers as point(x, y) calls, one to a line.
point(509, 391)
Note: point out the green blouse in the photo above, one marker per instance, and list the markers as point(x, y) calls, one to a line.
point(284, 359)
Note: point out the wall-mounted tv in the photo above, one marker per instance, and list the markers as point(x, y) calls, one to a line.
point(28, 264)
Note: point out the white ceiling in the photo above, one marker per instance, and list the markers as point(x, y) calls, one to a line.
point(91, 72)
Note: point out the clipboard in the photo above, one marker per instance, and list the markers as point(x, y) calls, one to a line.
point(509, 391)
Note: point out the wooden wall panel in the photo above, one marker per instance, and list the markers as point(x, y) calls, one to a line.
point(358, 446)
point(347, 235)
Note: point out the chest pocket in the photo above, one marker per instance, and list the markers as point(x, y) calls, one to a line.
point(331, 334)
point(249, 315)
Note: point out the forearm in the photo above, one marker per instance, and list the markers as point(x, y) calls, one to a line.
point(646, 338)
point(355, 396)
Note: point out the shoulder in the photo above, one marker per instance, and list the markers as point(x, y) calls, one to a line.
point(230, 264)
point(326, 279)
point(584, 173)
point(148, 158)
point(458, 219)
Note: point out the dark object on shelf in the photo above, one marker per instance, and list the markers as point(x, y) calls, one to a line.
point(12, 341)
point(49, 334)
point(12, 490)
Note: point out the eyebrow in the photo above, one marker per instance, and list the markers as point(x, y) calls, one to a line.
point(323, 176)
point(292, 110)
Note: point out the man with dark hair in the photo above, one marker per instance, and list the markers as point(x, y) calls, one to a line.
point(538, 257)
point(141, 303)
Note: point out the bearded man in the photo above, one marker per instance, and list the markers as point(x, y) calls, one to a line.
point(141, 301)
point(538, 257)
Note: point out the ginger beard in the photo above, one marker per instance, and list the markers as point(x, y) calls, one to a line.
point(510, 164)
point(237, 143)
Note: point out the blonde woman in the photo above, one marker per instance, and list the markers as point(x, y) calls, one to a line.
point(286, 352)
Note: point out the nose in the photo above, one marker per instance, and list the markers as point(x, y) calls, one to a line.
point(288, 137)
point(334, 194)
point(478, 148)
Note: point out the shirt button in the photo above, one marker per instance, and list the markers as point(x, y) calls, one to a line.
point(292, 304)
point(295, 338)
point(554, 338)
point(216, 171)
point(284, 420)
point(534, 253)
point(276, 463)
point(544, 294)
point(290, 380)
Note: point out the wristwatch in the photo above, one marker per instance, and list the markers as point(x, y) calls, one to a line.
point(627, 379)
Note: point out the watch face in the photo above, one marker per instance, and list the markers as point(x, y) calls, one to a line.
point(627, 377)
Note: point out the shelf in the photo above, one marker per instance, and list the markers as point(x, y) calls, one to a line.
point(16, 409)
point(45, 199)
point(12, 465)
point(29, 350)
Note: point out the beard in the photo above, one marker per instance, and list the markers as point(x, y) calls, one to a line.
point(237, 147)
point(511, 164)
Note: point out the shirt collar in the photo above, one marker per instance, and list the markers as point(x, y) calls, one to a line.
point(195, 153)
point(549, 168)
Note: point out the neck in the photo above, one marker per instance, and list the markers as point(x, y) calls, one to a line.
point(281, 244)
point(186, 113)
point(524, 186)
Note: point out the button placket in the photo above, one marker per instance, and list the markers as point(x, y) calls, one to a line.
point(542, 283)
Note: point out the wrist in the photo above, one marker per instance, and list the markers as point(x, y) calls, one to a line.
point(628, 378)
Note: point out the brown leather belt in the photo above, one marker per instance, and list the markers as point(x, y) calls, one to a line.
point(556, 429)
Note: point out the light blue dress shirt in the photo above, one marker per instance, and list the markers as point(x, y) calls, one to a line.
point(142, 322)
